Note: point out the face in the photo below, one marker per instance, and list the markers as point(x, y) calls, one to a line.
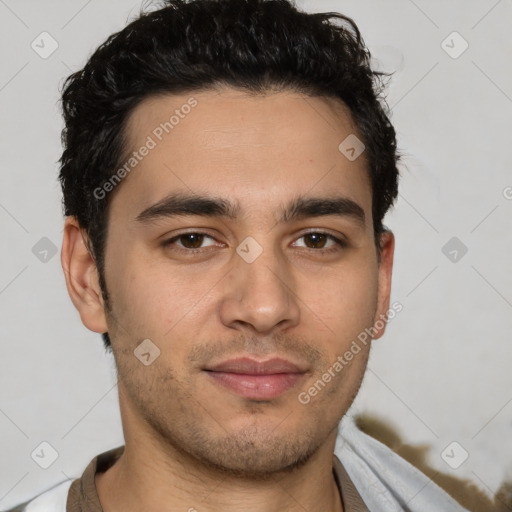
point(243, 232)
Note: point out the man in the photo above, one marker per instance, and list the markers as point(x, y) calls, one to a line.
point(226, 170)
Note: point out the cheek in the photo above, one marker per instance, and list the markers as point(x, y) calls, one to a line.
point(154, 300)
point(343, 300)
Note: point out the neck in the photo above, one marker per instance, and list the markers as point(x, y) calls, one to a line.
point(155, 474)
point(150, 477)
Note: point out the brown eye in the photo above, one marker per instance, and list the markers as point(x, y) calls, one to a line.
point(191, 240)
point(322, 242)
point(317, 240)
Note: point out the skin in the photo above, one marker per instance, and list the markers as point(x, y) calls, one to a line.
point(190, 443)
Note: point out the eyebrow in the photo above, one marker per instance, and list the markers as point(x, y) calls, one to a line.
point(303, 207)
point(180, 204)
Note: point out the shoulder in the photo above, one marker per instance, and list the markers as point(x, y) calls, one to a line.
point(386, 481)
point(52, 500)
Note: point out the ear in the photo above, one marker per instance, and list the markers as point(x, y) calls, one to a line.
point(387, 249)
point(82, 280)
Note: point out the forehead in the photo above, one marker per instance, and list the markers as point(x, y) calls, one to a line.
point(253, 148)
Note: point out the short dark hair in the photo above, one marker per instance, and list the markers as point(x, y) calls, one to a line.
point(252, 45)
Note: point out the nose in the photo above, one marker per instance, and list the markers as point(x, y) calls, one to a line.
point(260, 295)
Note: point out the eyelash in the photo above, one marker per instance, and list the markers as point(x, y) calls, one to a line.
point(340, 244)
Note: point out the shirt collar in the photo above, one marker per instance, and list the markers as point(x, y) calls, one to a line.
point(83, 496)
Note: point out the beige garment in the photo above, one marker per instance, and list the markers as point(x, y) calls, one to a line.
point(83, 497)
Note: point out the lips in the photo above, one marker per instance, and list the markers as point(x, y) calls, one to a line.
point(248, 366)
point(256, 380)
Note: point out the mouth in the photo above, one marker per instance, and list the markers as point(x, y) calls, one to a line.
point(257, 380)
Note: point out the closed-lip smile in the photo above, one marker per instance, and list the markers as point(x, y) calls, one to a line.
point(249, 366)
point(257, 380)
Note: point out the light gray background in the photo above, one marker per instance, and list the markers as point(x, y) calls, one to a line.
point(441, 373)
